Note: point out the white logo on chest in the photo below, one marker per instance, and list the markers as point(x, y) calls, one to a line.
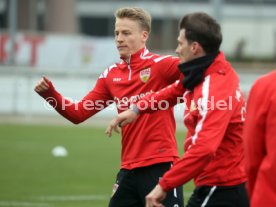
point(117, 79)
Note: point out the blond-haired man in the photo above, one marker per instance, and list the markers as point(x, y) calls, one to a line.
point(149, 147)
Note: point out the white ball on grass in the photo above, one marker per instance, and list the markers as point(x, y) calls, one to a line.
point(59, 151)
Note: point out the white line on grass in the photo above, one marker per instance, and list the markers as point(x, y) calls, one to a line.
point(73, 198)
point(187, 195)
point(23, 204)
point(62, 198)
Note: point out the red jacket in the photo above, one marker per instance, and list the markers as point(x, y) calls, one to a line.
point(151, 139)
point(214, 119)
point(260, 142)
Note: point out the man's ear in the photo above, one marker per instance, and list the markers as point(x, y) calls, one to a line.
point(145, 36)
point(196, 48)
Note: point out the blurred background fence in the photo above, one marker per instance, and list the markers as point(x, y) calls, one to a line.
point(19, 99)
point(72, 42)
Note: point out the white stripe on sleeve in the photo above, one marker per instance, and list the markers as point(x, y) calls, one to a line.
point(204, 104)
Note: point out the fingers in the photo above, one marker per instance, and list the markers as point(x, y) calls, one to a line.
point(113, 125)
point(117, 128)
point(46, 79)
point(151, 202)
point(155, 197)
point(108, 131)
point(42, 85)
point(121, 120)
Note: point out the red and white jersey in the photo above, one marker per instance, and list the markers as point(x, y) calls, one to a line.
point(151, 138)
point(214, 116)
point(260, 142)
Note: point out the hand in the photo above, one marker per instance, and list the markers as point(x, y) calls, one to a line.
point(42, 85)
point(121, 120)
point(155, 197)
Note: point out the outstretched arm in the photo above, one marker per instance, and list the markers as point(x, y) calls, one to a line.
point(96, 100)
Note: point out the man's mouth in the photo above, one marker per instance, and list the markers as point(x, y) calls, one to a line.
point(121, 47)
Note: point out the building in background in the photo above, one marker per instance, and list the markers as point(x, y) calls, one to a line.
point(248, 26)
point(72, 41)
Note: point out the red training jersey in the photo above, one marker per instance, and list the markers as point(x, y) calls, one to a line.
point(260, 142)
point(214, 116)
point(151, 138)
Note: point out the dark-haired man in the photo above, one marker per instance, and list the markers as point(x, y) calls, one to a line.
point(214, 117)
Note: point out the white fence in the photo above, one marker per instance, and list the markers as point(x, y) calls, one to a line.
point(17, 94)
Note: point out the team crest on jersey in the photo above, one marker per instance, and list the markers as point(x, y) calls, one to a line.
point(145, 75)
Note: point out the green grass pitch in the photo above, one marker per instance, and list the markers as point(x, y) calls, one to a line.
point(30, 176)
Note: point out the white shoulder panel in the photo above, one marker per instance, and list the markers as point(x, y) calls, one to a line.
point(106, 71)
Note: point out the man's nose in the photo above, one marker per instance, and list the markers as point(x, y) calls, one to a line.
point(177, 52)
point(119, 38)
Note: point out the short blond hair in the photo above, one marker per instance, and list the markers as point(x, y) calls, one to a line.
point(137, 14)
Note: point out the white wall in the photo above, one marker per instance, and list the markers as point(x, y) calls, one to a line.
point(259, 37)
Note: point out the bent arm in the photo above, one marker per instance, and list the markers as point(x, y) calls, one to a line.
point(202, 145)
point(163, 99)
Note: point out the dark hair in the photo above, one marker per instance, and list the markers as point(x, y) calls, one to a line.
point(202, 28)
